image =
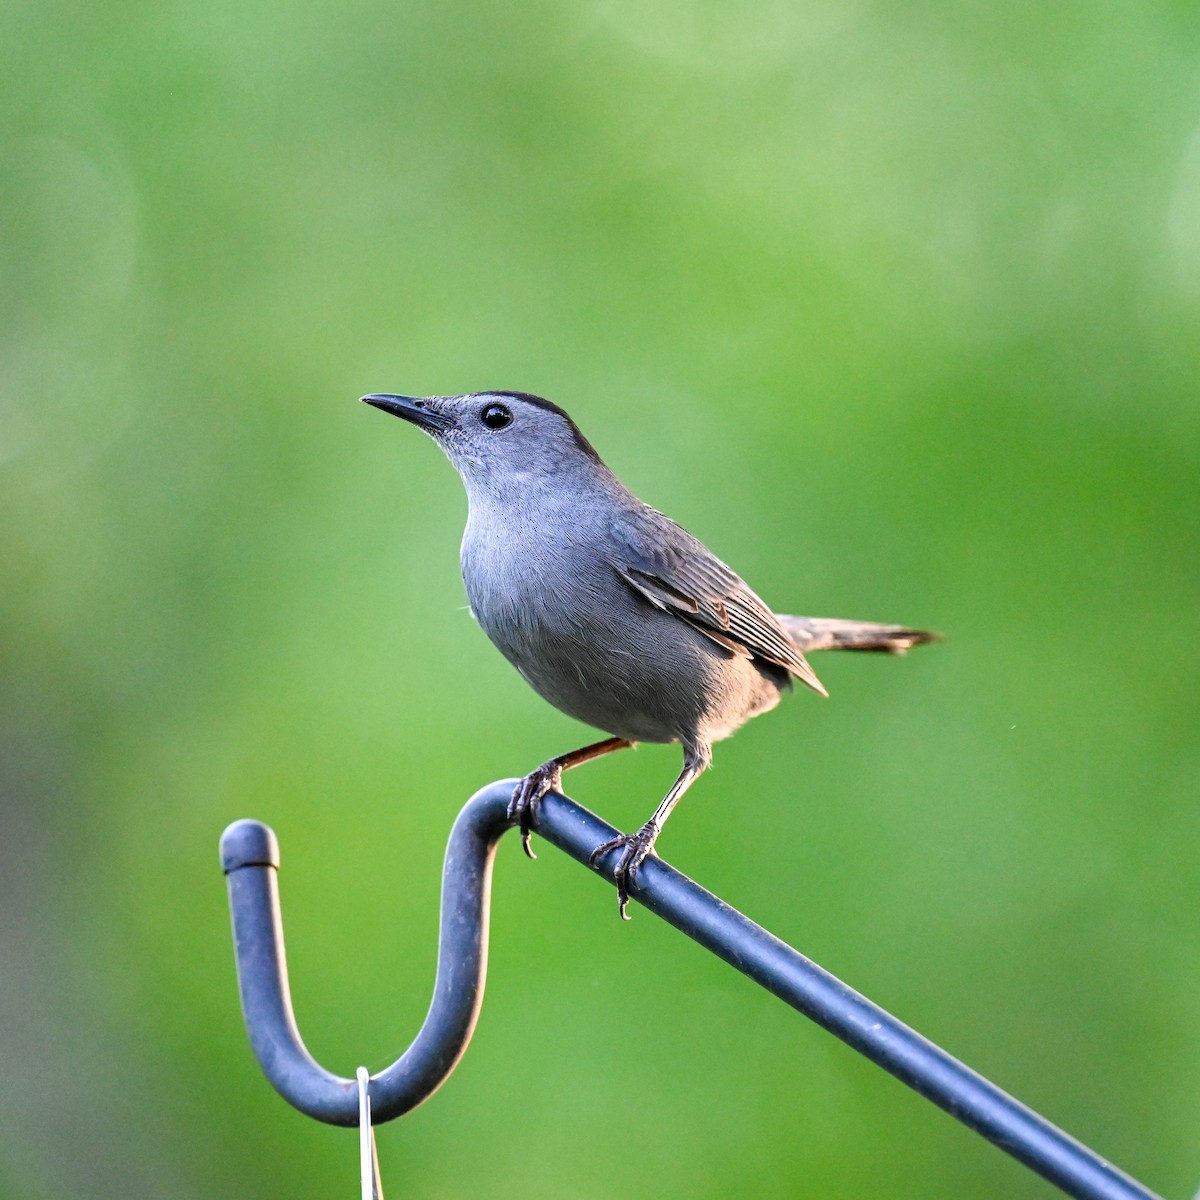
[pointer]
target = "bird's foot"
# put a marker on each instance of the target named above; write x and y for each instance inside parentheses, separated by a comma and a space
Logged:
(634, 847)
(527, 795)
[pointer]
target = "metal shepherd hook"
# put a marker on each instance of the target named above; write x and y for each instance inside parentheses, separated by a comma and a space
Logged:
(250, 859)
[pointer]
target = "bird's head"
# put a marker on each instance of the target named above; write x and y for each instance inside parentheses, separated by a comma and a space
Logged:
(498, 440)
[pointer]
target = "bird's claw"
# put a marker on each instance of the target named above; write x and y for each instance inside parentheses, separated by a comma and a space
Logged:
(526, 797)
(635, 847)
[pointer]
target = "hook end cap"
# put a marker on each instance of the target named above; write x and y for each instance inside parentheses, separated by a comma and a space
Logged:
(248, 843)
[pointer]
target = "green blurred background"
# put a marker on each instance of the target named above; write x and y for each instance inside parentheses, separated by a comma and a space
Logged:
(895, 306)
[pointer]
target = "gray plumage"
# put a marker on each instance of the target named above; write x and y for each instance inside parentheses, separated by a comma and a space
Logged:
(611, 611)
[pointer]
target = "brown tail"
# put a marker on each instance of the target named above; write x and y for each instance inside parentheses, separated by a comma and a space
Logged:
(828, 633)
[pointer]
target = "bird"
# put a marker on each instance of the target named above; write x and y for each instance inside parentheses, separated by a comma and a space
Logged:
(610, 610)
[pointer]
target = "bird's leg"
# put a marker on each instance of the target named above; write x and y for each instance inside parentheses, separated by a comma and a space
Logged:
(529, 792)
(636, 846)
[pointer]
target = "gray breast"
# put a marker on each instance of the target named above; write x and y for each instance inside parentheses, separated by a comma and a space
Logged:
(599, 652)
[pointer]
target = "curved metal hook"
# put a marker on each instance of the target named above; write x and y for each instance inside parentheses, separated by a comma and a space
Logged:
(250, 856)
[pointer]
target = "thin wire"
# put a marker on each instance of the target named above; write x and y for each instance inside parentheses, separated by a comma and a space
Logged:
(368, 1155)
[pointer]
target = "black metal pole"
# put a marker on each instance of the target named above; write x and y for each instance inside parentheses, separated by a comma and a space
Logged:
(250, 858)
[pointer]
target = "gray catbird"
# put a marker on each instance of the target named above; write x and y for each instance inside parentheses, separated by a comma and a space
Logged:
(610, 610)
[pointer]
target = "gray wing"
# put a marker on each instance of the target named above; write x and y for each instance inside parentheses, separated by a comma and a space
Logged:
(677, 573)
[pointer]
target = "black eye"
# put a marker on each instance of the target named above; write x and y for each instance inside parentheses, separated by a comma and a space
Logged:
(495, 416)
